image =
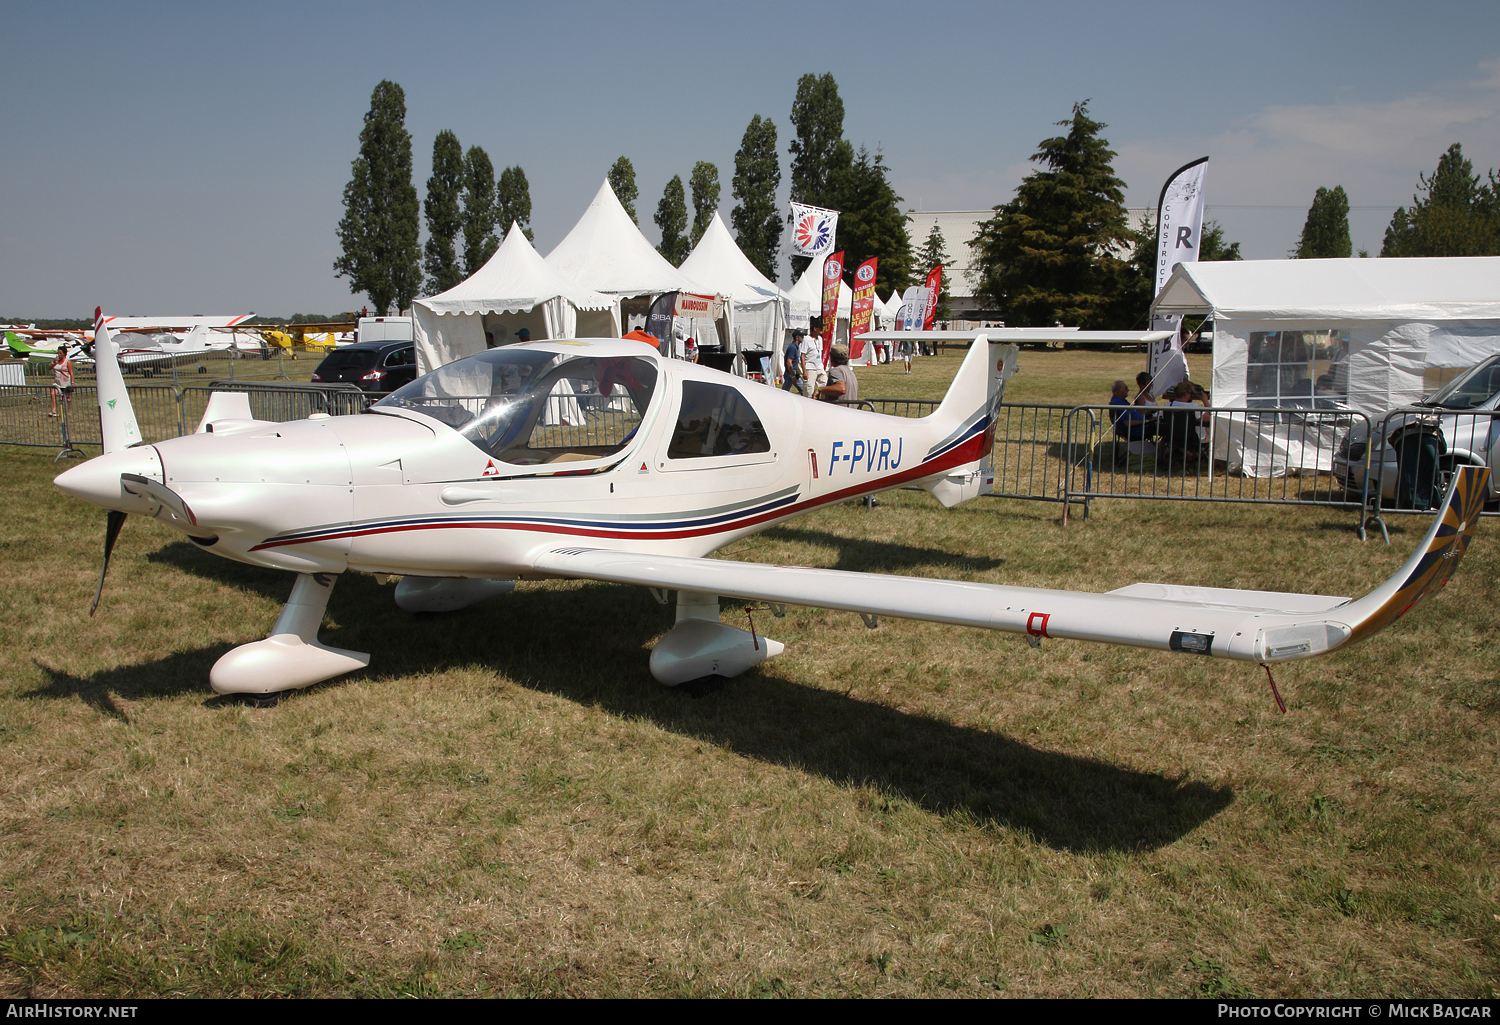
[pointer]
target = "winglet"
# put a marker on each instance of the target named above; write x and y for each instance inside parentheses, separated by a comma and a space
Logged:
(1432, 563)
(117, 422)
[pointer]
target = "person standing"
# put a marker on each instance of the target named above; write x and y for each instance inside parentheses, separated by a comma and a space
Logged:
(791, 358)
(814, 375)
(907, 348)
(62, 378)
(842, 385)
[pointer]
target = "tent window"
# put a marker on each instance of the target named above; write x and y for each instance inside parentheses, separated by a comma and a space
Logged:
(715, 420)
(1298, 369)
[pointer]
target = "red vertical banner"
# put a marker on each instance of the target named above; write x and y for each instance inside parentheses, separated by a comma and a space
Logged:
(833, 277)
(862, 308)
(934, 284)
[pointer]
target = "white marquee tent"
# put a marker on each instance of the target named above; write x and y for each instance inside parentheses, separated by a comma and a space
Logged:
(514, 289)
(1368, 334)
(808, 291)
(718, 265)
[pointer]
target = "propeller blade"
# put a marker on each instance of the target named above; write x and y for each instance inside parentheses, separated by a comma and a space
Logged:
(113, 521)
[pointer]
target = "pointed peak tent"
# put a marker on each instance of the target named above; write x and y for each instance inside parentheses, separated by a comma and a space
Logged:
(606, 252)
(515, 288)
(759, 307)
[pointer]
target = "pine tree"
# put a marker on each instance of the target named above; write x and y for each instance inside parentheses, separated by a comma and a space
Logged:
(1457, 217)
(671, 218)
(1325, 234)
(444, 217)
(871, 222)
(513, 202)
(622, 180)
(757, 175)
(381, 222)
(1129, 306)
(480, 242)
(1212, 247)
(934, 252)
(820, 153)
(705, 186)
(1048, 254)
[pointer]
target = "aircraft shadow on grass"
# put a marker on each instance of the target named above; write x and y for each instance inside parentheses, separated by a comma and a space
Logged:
(865, 555)
(589, 643)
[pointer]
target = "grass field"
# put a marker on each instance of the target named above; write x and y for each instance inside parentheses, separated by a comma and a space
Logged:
(506, 803)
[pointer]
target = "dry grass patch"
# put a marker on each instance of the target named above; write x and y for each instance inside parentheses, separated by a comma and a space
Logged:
(505, 802)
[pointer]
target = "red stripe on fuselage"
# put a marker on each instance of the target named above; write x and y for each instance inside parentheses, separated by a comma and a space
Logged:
(965, 453)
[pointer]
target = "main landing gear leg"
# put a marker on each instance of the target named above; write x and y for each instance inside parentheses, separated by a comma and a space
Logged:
(291, 657)
(699, 645)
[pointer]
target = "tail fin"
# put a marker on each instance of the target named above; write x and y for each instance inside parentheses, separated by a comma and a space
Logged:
(970, 407)
(116, 417)
(17, 346)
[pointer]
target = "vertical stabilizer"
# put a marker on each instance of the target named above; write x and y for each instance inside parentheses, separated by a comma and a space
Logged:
(116, 417)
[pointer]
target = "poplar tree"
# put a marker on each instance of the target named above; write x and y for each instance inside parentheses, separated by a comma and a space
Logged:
(671, 218)
(480, 242)
(1325, 233)
(705, 187)
(444, 216)
(820, 153)
(379, 229)
(757, 175)
(1457, 217)
(1049, 254)
(622, 180)
(513, 202)
(934, 252)
(871, 222)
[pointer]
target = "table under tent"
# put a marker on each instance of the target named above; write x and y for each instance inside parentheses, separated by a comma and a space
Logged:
(759, 314)
(1363, 335)
(606, 252)
(515, 289)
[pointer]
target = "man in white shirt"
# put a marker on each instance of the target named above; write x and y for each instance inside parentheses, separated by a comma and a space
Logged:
(814, 374)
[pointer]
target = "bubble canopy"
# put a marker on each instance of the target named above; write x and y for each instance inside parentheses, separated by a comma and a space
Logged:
(528, 406)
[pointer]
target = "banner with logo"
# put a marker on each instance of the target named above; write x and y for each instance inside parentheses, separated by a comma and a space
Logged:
(934, 287)
(1179, 233)
(833, 277)
(659, 320)
(813, 229)
(913, 309)
(704, 307)
(862, 307)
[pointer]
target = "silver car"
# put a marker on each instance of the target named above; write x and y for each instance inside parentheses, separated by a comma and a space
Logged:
(1460, 417)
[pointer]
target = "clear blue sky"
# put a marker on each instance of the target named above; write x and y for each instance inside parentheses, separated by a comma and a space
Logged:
(191, 158)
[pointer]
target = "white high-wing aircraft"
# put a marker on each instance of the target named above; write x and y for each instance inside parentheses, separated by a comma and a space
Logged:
(599, 459)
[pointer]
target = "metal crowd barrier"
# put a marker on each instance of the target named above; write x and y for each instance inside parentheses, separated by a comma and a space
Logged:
(1218, 454)
(1402, 474)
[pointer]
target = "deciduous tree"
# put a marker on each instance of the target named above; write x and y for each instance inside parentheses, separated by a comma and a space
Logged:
(444, 216)
(622, 180)
(820, 153)
(1325, 233)
(671, 218)
(1457, 217)
(480, 242)
(513, 201)
(757, 174)
(704, 184)
(1049, 254)
(379, 229)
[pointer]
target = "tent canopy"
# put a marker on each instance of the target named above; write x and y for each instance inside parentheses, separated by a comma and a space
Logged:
(1419, 288)
(514, 280)
(606, 252)
(809, 290)
(718, 264)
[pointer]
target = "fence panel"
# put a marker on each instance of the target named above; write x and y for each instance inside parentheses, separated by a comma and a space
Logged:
(1412, 455)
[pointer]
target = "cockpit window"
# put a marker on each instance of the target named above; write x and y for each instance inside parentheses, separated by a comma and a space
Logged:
(526, 406)
(715, 420)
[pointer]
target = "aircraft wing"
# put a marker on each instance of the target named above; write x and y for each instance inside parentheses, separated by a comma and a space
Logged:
(1256, 626)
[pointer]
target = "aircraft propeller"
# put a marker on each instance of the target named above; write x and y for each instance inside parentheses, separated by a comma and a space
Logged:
(113, 521)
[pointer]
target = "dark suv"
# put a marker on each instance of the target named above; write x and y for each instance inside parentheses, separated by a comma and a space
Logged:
(373, 366)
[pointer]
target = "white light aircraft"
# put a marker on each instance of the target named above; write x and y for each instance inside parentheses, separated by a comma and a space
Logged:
(598, 459)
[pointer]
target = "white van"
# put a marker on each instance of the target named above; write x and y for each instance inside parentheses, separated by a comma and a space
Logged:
(384, 329)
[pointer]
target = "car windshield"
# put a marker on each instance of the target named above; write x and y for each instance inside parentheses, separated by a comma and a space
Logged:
(528, 406)
(1474, 388)
(349, 359)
